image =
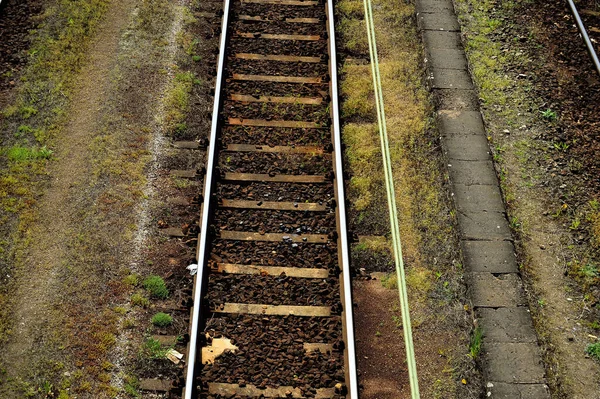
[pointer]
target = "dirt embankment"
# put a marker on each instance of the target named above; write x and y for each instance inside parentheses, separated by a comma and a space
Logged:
(65, 312)
(540, 97)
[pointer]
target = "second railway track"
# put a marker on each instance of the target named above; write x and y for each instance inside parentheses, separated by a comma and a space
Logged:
(272, 313)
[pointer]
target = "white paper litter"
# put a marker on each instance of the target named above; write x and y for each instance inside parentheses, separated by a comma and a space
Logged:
(193, 268)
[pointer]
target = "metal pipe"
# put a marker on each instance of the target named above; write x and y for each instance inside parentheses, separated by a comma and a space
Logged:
(584, 33)
(208, 183)
(391, 197)
(343, 236)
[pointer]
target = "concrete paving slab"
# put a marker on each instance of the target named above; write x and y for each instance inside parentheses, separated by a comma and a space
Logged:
(446, 59)
(444, 20)
(450, 79)
(472, 172)
(496, 291)
(460, 122)
(502, 390)
(442, 39)
(487, 226)
(477, 198)
(456, 99)
(513, 363)
(489, 256)
(433, 6)
(506, 325)
(467, 148)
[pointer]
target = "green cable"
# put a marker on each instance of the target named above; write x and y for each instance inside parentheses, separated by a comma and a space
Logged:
(391, 196)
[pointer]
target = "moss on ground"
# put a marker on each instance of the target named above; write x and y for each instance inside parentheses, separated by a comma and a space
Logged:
(426, 222)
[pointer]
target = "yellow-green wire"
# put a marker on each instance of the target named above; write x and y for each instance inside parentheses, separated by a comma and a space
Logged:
(391, 196)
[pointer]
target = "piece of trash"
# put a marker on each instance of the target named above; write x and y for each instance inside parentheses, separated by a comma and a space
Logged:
(217, 347)
(174, 356)
(193, 268)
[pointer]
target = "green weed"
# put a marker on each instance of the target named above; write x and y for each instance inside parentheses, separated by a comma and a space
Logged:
(138, 299)
(24, 154)
(390, 281)
(156, 286)
(475, 345)
(154, 349)
(549, 115)
(162, 320)
(593, 350)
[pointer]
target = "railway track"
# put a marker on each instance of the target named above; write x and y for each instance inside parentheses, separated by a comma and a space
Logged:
(272, 306)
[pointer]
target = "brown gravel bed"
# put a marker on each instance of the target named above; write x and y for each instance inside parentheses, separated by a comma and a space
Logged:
(305, 329)
(291, 222)
(279, 28)
(278, 68)
(281, 47)
(285, 254)
(273, 367)
(275, 11)
(272, 290)
(260, 162)
(320, 193)
(277, 89)
(276, 338)
(276, 111)
(275, 136)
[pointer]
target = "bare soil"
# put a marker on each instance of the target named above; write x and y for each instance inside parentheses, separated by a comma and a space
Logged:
(38, 289)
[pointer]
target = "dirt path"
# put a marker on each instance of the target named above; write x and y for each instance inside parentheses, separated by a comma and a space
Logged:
(38, 297)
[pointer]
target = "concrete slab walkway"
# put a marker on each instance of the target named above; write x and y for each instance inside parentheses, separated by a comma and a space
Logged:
(512, 363)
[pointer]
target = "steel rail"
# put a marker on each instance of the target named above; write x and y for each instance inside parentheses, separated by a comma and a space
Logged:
(202, 254)
(343, 236)
(391, 197)
(584, 34)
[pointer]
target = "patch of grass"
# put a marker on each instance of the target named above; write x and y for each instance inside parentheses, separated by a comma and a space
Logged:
(354, 35)
(593, 350)
(419, 279)
(131, 386)
(139, 299)
(357, 88)
(156, 286)
(549, 115)
(475, 345)
(589, 270)
(19, 154)
(362, 154)
(154, 349)
(177, 100)
(162, 319)
(390, 281)
(131, 280)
